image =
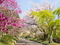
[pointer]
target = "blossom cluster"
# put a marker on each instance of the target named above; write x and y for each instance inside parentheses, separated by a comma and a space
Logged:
(10, 4)
(9, 21)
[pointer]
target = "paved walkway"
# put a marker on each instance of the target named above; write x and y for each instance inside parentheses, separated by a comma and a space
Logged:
(27, 42)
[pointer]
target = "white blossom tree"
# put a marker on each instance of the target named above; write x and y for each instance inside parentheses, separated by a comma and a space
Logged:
(31, 20)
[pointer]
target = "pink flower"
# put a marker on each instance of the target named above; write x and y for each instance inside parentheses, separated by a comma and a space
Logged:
(18, 11)
(15, 20)
(7, 32)
(10, 4)
(10, 21)
(4, 29)
(13, 24)
(3, 25)
(1, 1)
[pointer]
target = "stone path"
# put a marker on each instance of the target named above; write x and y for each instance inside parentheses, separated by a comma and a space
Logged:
(27, 42)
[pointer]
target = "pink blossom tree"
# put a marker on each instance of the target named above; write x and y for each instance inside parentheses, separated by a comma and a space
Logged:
(10, 4)
(10, 24)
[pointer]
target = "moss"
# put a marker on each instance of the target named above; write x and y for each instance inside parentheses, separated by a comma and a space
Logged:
(45, 42)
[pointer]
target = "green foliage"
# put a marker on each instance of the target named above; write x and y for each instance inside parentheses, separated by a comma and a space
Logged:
(8, 39)
(57, 11)
(46, 21)
(43, 16)
(35, 39)
(55, 25)
(6, 44)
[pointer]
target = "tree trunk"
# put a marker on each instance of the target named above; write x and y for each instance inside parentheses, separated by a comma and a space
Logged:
(54, 33)
(51, 39)
(50, 36)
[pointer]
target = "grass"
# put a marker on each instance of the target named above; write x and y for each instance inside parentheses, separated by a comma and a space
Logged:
(54, 44)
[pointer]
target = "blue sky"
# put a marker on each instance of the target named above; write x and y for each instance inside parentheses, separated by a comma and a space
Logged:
(26, 4)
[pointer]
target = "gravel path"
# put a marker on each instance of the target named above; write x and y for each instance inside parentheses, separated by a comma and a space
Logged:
(27, 42)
